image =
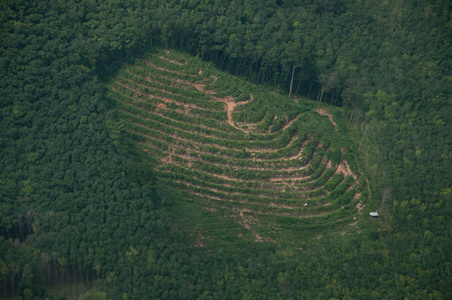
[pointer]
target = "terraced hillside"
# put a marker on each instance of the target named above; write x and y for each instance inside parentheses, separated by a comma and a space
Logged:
(267, 161)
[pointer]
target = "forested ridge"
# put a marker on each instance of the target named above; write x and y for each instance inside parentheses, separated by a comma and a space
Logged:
(78, 202)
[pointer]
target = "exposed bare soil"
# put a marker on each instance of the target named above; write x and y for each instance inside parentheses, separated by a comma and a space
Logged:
(289, 123)
(344, 168)
(173, 61)
(323, 112)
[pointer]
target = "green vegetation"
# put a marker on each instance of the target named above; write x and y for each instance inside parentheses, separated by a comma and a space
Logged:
(122, 173)
(261, 176)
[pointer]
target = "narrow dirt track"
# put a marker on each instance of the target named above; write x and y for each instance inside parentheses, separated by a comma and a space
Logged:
(323, 112)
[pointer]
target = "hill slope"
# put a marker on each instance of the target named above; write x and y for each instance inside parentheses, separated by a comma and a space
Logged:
(277, 167)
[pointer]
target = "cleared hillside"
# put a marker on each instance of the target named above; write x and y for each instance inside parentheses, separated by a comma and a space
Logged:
(276, 166)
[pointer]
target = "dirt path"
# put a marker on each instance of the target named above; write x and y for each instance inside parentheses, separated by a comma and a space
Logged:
(162, 98)
(185, 105)
(201, 87)
(229, 193)
(252, 150)
(259, 212)
(230, 106)
(241, 166)
(169, 71)
(225, 196)
(279, 185)
(172, 61)
(276, 178)
(281, 206)
(163, 106)
(229, 102)
(296, 156)
(289, 178)
(247, 226)
(344, 168)
(290, 123)
(323, 112)
(197, 144)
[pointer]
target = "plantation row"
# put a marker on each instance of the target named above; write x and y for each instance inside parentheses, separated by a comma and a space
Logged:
(139, 112)
(264, 192)
(183, 92)
(229, 147)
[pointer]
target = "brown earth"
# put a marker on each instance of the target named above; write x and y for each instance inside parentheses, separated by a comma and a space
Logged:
(323, 112)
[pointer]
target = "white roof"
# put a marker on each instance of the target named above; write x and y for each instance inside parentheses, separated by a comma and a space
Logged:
(373, 214)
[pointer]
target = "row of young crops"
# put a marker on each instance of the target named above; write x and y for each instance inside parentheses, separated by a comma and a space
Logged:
(231, 145)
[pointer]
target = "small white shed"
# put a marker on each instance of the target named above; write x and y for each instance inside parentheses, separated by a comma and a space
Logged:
(374, 214)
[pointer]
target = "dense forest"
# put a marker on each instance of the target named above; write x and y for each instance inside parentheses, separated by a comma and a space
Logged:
(80, 205)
